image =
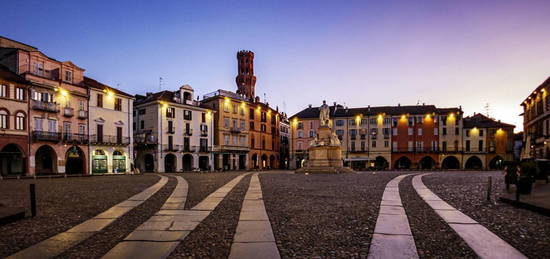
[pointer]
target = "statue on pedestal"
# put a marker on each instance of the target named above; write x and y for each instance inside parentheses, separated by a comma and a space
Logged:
(324, 114)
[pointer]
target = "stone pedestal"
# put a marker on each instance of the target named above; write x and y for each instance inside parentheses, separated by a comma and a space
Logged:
(326, 155)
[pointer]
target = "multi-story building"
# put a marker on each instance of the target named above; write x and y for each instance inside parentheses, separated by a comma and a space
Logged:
(284, 149)
(403, 137)
(59, 134)
(14, 135)
(487, 143)
(172, 133)
(110, 128)
(246, 129)
(536, 122)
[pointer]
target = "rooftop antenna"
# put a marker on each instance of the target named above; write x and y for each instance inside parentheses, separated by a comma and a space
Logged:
(265, 98)
(487, 109)
(160, 83)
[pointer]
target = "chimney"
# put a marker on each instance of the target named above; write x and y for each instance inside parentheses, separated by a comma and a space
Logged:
(334, 104)
(398, 104)
(368, 108)
(148, 94)
(309, 106)
(423, 104)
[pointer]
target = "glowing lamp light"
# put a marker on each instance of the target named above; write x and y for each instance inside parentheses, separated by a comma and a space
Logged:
(63, 92)
(403, 117)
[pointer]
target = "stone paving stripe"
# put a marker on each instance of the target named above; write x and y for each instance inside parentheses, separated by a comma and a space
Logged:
(254, 236)
(57, 244)
(484, 242)
(163, 232)
(159, 236)
(141, 249)
(264, 250)
(129, 203)
(392, 237)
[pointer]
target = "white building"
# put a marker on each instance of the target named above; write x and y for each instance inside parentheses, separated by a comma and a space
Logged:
(172, 133)
(110, 120)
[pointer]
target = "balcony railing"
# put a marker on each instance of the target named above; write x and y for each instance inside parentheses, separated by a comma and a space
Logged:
(45, 106)
(187, 148)
(68, 112)
(235, 130)
(39, 135)
(145, 139)
(109, 140)
(82, 114)
(75, 138)
(202, 149)
(188, 132)
(171, 148)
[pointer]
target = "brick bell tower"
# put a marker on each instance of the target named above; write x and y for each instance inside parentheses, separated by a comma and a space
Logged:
(246, 81)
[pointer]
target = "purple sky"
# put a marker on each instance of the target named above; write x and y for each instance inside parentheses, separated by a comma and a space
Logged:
(444, 53)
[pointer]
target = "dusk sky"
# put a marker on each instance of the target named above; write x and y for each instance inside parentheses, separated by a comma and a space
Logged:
(359, 53)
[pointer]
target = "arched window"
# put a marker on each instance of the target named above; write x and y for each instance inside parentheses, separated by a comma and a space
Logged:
(4, 115)
(20, 121)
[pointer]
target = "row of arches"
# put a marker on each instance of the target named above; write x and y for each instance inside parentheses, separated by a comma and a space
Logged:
(449, 162)
(170, 163)
(264, 162)
(14, 162)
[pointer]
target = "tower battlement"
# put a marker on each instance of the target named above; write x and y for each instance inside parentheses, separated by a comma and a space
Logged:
(246, 81)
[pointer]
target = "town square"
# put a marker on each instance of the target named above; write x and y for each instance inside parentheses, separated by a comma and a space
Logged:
(243, 129)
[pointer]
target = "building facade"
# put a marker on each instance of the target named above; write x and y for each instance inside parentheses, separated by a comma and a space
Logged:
(406, 137)
(172, 133)
(14, 134)
(246, 129)
(110, 129)
(536, 123)
(284, 149)
(58, 129)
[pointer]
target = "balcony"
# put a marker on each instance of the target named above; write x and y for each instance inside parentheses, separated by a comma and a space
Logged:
(187, 148)
(82, 114)
(203, 149)
(204, 133)
(38, 135)
(386, 136)
(109, 140)
(75, 138)
(45, 106)
(188, 132)
(145, 139)
(171, 147)
(68, 112)
(235, 130)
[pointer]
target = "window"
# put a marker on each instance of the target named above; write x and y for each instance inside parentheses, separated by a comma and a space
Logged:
(81, 129)
(353, 146)
(353, 133)
(387, 121)
(170, 127)
(252, 125)
(420, 146)
(311, 134)
(300, 125)
(420, 132)
(4, 91)
(340, 132)
(362, 145)
(203, 117)
(444, 120)
(20, 94)
(481, 133)
(142, 124)
(68, 76)
(235, 108)
(373, 143)
(242, 124)
(480, 145)
(80, 105)
(226, 139)
(241, 111)
(411, 121)
(99, 100)
(187, 115)
(226, 107)
(20, 121)
(39, 69)
(410, 131)
(264, 117)
(339, 122)
(263, 128)
(171, 112)
(394, 131)
(467, 145)
(467, 133)
(3, 119)
(444, 131)
(386, 132)
(141, 111)
(352, 122)
(226, 122)
(251, 114)
(410, 146)
(66, 128)
(436, 131)
(38, 124)
(457, 131)
(386, 143)
(52, 125)
(434, 145)
(394, 145)
(235, 140)
(118, 104)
